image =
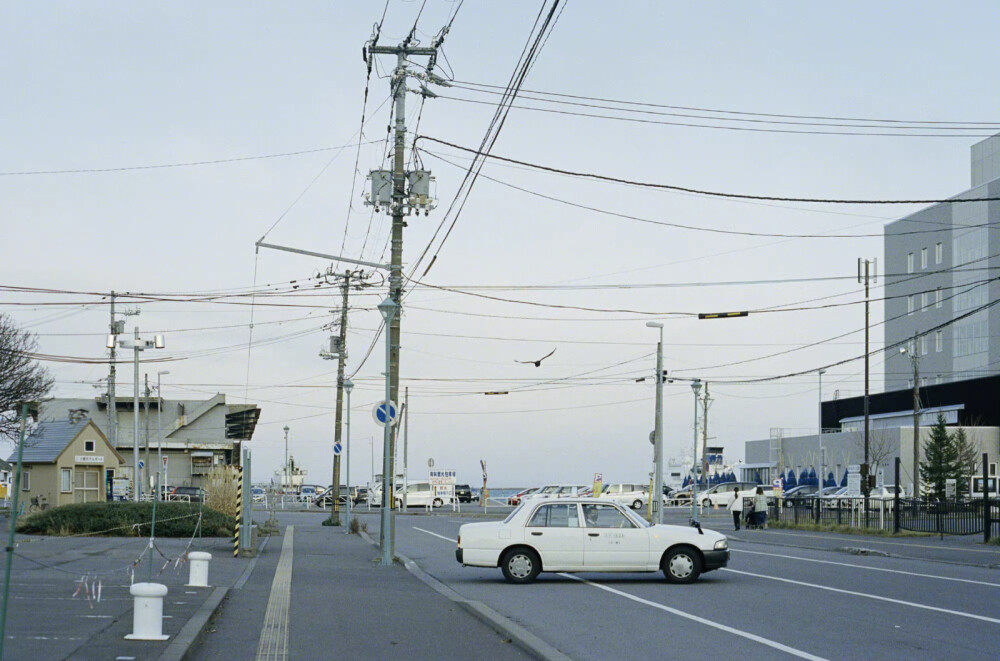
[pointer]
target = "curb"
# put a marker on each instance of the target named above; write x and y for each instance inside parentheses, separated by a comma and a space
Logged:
(182, 642)
(520, 636)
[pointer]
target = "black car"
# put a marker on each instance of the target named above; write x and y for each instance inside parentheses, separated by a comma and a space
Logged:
(185, 494)
(463, 493)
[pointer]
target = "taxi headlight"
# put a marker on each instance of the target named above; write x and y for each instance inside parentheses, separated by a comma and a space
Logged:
(722, 544)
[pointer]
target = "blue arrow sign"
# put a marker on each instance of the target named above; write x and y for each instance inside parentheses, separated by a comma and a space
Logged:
(142, 464)
(336, 448)
(379, 413)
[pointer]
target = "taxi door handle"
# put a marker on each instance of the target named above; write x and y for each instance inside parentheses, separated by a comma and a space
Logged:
(594, 534)
(537, 534)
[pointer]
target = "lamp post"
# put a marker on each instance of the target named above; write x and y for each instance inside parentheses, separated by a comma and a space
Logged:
(656, 497)
(348, 387)
(915, 360)
(137, 345)
(819, 435)
(284, 482)
(388, 308)
(160, 471)
(696, 388)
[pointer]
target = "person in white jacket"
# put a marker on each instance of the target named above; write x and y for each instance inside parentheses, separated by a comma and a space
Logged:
(736, 507)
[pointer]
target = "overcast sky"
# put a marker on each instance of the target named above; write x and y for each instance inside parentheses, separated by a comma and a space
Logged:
(117, 85)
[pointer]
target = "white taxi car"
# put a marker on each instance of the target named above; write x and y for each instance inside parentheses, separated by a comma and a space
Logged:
(588, 535)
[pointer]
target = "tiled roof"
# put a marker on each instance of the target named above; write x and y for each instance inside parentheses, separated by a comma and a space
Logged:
(48, 440)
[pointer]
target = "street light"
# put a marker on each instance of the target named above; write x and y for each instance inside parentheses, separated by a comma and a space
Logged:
(137, 345)
(161, 473)
(388, 309)
(284, 483)
(348, 387)
(696, 388)
(656, 497)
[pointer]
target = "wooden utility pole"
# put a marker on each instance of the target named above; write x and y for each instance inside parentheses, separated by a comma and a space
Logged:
(339, 351)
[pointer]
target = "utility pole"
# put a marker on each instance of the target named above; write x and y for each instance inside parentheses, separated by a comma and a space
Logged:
(401, 202)
(338, 350)
(284, 484)
(915, 361)
(406, 437)
(656, 497)
(865, 275)
(112, 408)
(145, 479)
(704, 433)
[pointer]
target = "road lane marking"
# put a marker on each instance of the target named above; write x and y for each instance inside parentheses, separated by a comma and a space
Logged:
(867, 596)
(875, 541)
(700, 620)
(891, 571)
(447, 539)
(273, 645)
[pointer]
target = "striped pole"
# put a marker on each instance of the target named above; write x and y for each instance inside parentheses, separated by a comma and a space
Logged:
(239, 512)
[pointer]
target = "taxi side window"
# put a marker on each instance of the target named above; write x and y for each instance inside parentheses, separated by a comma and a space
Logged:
(605, 516)
(555, 516)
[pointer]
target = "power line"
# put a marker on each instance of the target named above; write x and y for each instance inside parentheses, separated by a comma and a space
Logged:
(697, 191)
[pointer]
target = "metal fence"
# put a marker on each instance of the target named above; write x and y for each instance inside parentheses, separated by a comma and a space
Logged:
(960, 516)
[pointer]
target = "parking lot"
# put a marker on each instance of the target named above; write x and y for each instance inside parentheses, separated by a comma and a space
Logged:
(785, 594)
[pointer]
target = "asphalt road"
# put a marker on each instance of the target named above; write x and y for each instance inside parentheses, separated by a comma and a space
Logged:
(785, 595)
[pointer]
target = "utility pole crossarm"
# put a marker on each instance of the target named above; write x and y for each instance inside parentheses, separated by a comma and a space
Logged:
(402, 50)
(323, 255)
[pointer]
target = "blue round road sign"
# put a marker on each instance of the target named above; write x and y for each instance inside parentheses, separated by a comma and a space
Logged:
(379, 413)
(336, 448)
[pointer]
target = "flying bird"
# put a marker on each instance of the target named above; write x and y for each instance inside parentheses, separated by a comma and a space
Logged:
(536, 363)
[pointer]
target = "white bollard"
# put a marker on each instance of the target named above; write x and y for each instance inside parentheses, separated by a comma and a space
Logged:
(147, 613)
(198, 577)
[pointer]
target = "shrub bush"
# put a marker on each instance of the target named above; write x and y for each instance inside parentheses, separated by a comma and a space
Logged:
(126, 519)
(220, 490)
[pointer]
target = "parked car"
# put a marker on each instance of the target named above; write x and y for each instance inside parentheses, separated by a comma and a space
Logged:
(721, 495)
(359, 494)
(515, 500)
(185, 494)
(632, 495)
(421, 494)
(325, 496)
(588, 534)
(793, 495)
(556, 491)
(309, 491)
(463, 493)
(258, 494)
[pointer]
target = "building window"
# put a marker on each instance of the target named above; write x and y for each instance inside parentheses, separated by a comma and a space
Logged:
(938, 252)
(937, 298)
(909, 386)
(88, 446)
(923, 382)
(923, 345)
(923, 258)
(66, 480)
(909, 304)
(993, 470)
(923, 301)
(937, 379)
(938, 341)
(909, 262)
(26, 481)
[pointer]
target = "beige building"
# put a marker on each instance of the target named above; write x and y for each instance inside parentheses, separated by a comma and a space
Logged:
(67, 461)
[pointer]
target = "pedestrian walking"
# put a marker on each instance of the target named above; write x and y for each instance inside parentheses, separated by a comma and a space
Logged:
(736, 507)
(760, 508)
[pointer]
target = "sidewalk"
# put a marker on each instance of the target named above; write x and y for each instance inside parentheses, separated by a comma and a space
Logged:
(52, 615)
(344, 604)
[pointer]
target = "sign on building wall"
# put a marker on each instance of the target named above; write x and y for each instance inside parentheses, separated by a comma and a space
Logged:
(88, 459)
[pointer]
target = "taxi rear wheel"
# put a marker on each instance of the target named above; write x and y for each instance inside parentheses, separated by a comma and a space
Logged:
(681, 565)
(637, 505)
(520, 565)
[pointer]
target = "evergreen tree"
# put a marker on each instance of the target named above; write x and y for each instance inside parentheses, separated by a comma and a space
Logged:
(941, 459)
(967, 462)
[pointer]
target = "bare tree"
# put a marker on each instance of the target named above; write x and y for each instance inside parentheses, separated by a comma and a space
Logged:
(880, 448)
(22, 379)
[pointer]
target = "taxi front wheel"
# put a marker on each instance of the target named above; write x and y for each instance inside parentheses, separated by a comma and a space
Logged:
(681, 565)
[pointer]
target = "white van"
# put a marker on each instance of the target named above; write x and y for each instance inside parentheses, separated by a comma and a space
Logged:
(721, 495)
(635, 496)
(555, 491)
(421, 494)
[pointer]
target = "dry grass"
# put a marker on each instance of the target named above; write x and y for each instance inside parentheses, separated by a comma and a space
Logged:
(220, 490)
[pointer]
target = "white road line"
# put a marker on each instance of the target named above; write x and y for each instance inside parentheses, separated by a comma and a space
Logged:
(891, 571)
(866, 596)
(875, 541)
(273, 645)
(736, 632)
(700, 620)
(447, 539)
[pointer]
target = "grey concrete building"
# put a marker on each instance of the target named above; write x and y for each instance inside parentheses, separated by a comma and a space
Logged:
(938, 265)
(197, 435)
